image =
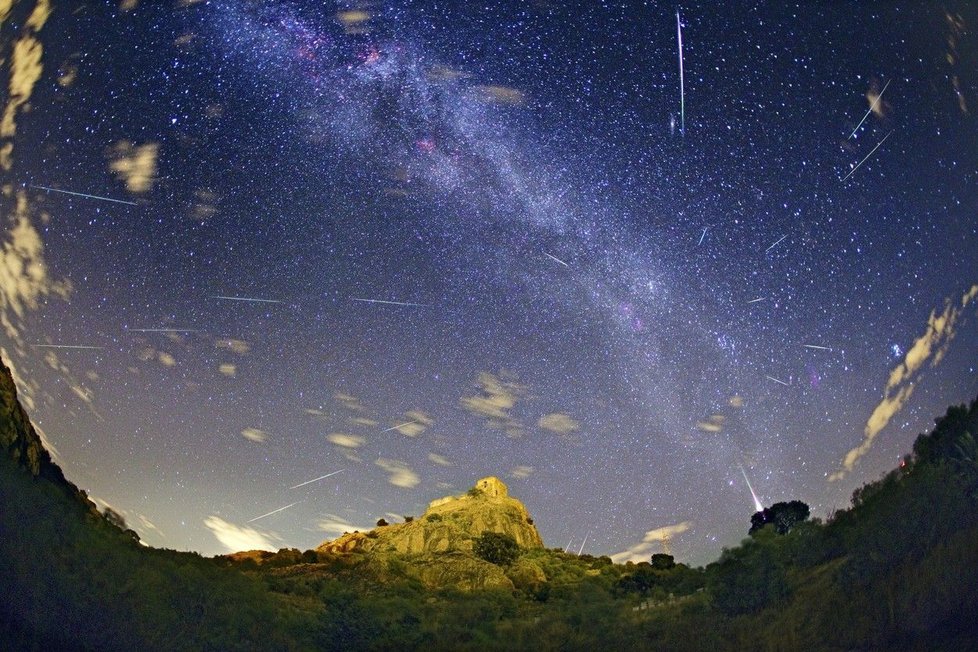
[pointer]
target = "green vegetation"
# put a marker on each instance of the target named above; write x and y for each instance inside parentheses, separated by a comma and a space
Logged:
(898, 570)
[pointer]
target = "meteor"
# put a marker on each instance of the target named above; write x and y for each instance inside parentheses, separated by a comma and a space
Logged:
(756, 300)
(555, 259)
(401, 425)
(816, 346)
(701, 238)
(161, 330)
(867, 156)
(392, 303)
(247, 299)
(322, 477)
(757, 503)
(579, 552)
(682, 89)
(274, 511)
(871, 108)
(780, 382)
(776, 243)
(65, 346)
(87, 196)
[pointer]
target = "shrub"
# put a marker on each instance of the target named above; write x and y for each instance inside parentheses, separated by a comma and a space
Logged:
(497, 548)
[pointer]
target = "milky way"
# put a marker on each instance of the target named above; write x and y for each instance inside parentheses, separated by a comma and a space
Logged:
(398, 247)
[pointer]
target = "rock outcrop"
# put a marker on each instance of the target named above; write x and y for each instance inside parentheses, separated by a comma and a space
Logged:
(449, 524)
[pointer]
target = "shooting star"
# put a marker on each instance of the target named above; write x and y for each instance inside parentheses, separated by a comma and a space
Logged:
(780, 382)
(87, 196)
(682, 78)
(392, 303)
(246, 299)
(322, 477)
(401, 425)
(776, 243)
(555, 259)
(701, 238)
(579, 552)
(816, 346)
(756, 300)
(65, 346)
(274, 511)
(872, 107)
(757, 503)
(866, 157)
(161, 330)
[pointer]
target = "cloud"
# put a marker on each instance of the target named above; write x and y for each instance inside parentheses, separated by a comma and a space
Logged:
(363, 421)
(736, 401)
(354, 21)
(879, 108)
(166, 359)
(560, 423)
(713, 424)
(254, 434)
(521, 472)
(25, 69)
(499, 95)
(417, 423)
(134, 164)
(933, 346)
(498, 398)
(337, 525)
(440, 460)
(234, 346)
(228, 370)
(640, 551)
(400, 474)
(345, 440)
(349, 401)
(24, 277)
(238, 538)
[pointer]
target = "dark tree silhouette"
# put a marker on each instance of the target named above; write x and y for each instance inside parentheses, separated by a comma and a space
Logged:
(497, 548)
(783, 516)
(662, 561)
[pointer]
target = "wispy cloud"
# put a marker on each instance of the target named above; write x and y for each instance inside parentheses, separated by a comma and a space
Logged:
(558, 422)
(254, 434)
(238, 538)
(337, 525)
(415, 422)
(521, 472)
(228, 370)
(399, 473)
(349, 401)
(134, 164)
(345, 440)
(933, 346)
(652, 538)
(440, 460)
(240, 347)
(712, 424)
(495, 403)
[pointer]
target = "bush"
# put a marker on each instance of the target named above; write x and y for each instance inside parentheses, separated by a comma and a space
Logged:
(497, 548)
(381, 522)
(433, 518)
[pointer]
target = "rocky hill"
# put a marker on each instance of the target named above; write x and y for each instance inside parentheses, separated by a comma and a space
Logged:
(450, 524)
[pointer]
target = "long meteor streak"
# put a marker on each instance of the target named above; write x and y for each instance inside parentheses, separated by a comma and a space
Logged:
(392, 303)
(756, 300)
(161, 330)
(274, 511)
(248, 299)
(400, 425)
(780, 382)
(701, 238)
(867, 156)
(87, 196)
(65, 346)
(757, 503)
(871, 108)
(554, 258)
(682, 78)
(322, 477)
(776, 243)
(816, 346)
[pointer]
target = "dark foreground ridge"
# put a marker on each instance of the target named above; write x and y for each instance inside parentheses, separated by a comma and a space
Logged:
(898, 570)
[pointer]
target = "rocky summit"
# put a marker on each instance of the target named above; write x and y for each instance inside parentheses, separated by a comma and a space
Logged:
(450, 524)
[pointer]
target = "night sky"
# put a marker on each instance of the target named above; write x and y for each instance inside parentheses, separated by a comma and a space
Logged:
(414, 244)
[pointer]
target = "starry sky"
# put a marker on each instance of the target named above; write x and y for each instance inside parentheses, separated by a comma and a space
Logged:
(410, 244)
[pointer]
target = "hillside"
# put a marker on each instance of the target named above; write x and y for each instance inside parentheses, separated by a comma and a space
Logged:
(898, 570)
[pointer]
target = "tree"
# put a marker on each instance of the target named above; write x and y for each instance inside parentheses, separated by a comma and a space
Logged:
(662, 561)
(783, 516)
(381, 522)
(497, 548)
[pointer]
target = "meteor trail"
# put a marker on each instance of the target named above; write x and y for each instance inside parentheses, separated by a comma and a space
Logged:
(582, 545)
(781, 382)
(65, 346)
(816, 346)
(867, 156)
(701, 238)
(682, 89)
(776, 243)
(248, 299)
(556, 259)
(302, 484)
(392, 303)
(871, 107)
(756, 300)
(161, 330)
(757, 503)
(274, 511)
(399, 426)
(82, 194)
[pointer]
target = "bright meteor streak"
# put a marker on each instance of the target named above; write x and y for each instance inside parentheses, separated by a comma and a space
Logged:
(274, 511)
(248, 299)
(682, 79)
(302, 484)
(87, 196)
(816, 346)
(780, 382)
(65, 346)
(872, 107)
(554, 258)
(757, 503)
(871, 152)
(392, 303)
